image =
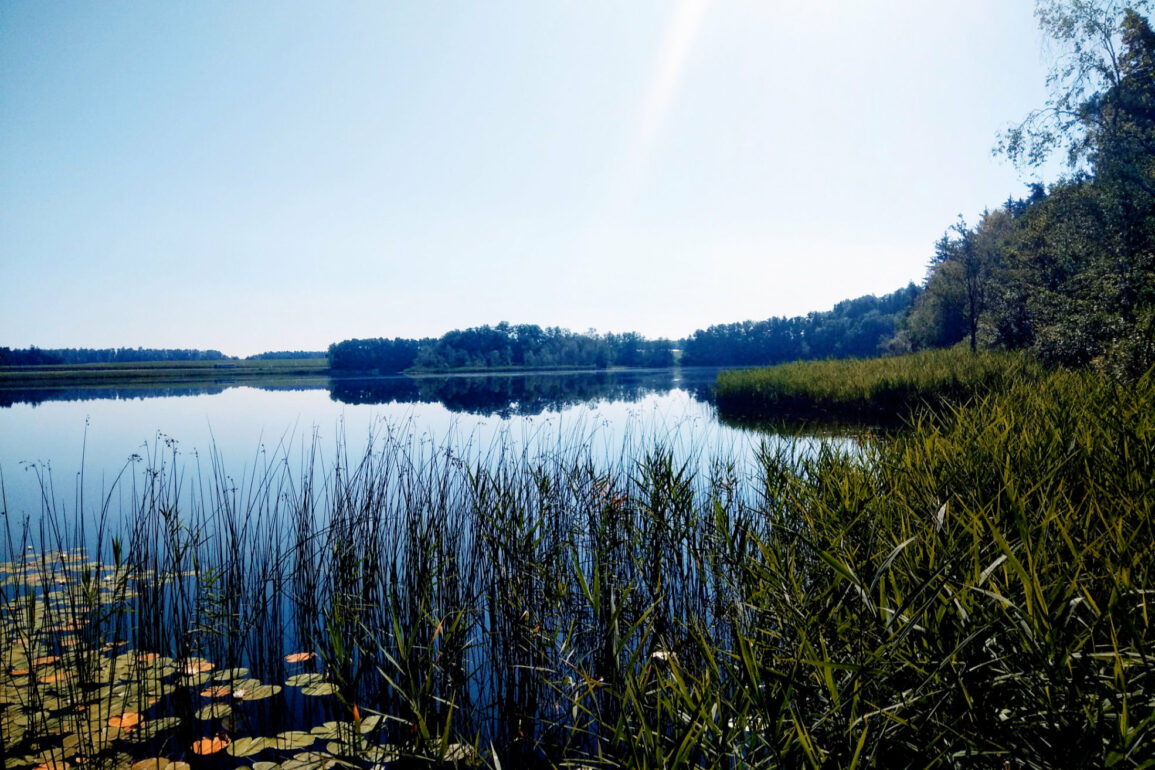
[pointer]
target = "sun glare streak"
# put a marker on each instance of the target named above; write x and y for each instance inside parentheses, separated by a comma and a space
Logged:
(681, 34)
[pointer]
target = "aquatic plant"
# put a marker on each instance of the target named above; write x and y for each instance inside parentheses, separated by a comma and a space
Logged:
(971, 591)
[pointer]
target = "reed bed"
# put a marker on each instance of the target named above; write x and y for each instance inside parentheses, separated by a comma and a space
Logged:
(971, 592)
(883, 390)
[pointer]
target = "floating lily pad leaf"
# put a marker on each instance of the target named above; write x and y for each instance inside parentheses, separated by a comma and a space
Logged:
(256, 693)
(218, 710)
(230, 674)
(331, 731)
(54, 764)
(194, 680)
(304, 680)
(217, 691)
(266, 766)
(194, 666)
(369, 724)
(248, 746)
(159, 763)
(300, 657)
(244, 684)
(205, 746)
(379, 754)
(126, 721)
(309, 760)
(363, 751)
(153, 727)
(321, 688)
(292, 740)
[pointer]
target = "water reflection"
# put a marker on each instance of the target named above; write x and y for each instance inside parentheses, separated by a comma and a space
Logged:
(522, 395)
(505, 395)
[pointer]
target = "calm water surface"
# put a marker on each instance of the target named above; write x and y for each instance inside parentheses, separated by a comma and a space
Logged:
(51, 440)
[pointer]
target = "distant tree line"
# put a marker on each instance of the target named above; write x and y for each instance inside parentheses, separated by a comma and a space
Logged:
(286, 355)
(501, 346)
(375, 355)
(854, 327)
(34, 356)
(1067, 272)
(858, 327)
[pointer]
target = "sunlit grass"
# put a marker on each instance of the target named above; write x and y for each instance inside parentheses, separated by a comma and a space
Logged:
(882, 389)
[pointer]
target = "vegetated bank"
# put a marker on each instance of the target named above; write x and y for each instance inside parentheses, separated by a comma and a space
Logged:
(145, 373)
(880, 390)
(971, 591)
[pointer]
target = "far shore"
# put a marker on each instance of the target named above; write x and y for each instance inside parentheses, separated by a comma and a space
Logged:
(163, 373)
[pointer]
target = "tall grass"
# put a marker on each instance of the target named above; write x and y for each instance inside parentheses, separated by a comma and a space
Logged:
(880, 389)
(971, 592)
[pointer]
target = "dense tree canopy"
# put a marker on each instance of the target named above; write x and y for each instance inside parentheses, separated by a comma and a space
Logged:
(853, 328)
(34, 356)
(1068, 272)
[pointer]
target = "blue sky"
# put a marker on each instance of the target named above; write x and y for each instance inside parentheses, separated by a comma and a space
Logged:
(252, 176)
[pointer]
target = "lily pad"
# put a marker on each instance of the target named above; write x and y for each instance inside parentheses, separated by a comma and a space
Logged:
(230, 674)
(331, 731)
(248, 746)
(294, 739)
(205, 746)
(260, 692)
(369, 724)
(159, 763)
(193, 666)
(309, 760)
(304, 680)
(218, 710)
(195, 680)
(153, 727)
(321, 688)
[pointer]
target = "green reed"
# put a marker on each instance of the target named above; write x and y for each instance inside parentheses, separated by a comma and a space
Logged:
(970, 592)
(873, 389)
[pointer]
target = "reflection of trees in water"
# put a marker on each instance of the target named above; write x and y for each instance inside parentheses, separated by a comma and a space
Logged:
(374, 390)
(510, 395)
(37, 396)
(502, 395)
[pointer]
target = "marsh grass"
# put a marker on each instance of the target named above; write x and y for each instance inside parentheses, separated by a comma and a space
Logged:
(970, 592)
(885, 390)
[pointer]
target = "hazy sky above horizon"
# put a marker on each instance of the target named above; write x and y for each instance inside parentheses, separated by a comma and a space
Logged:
(252, 176)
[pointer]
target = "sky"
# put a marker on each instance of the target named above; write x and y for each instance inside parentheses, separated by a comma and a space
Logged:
(251, 176)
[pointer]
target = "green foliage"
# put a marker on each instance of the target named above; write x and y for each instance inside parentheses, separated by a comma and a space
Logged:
(1086, 36)
(880, 389)
(1069, 274)
(853, 327)
(374, 355)
(525, 346)
(971, 592)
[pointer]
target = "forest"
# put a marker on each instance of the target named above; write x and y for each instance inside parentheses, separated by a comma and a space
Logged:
(1067, 273)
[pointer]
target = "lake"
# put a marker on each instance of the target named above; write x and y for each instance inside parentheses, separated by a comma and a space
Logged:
(49, 438)
(365, 568)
